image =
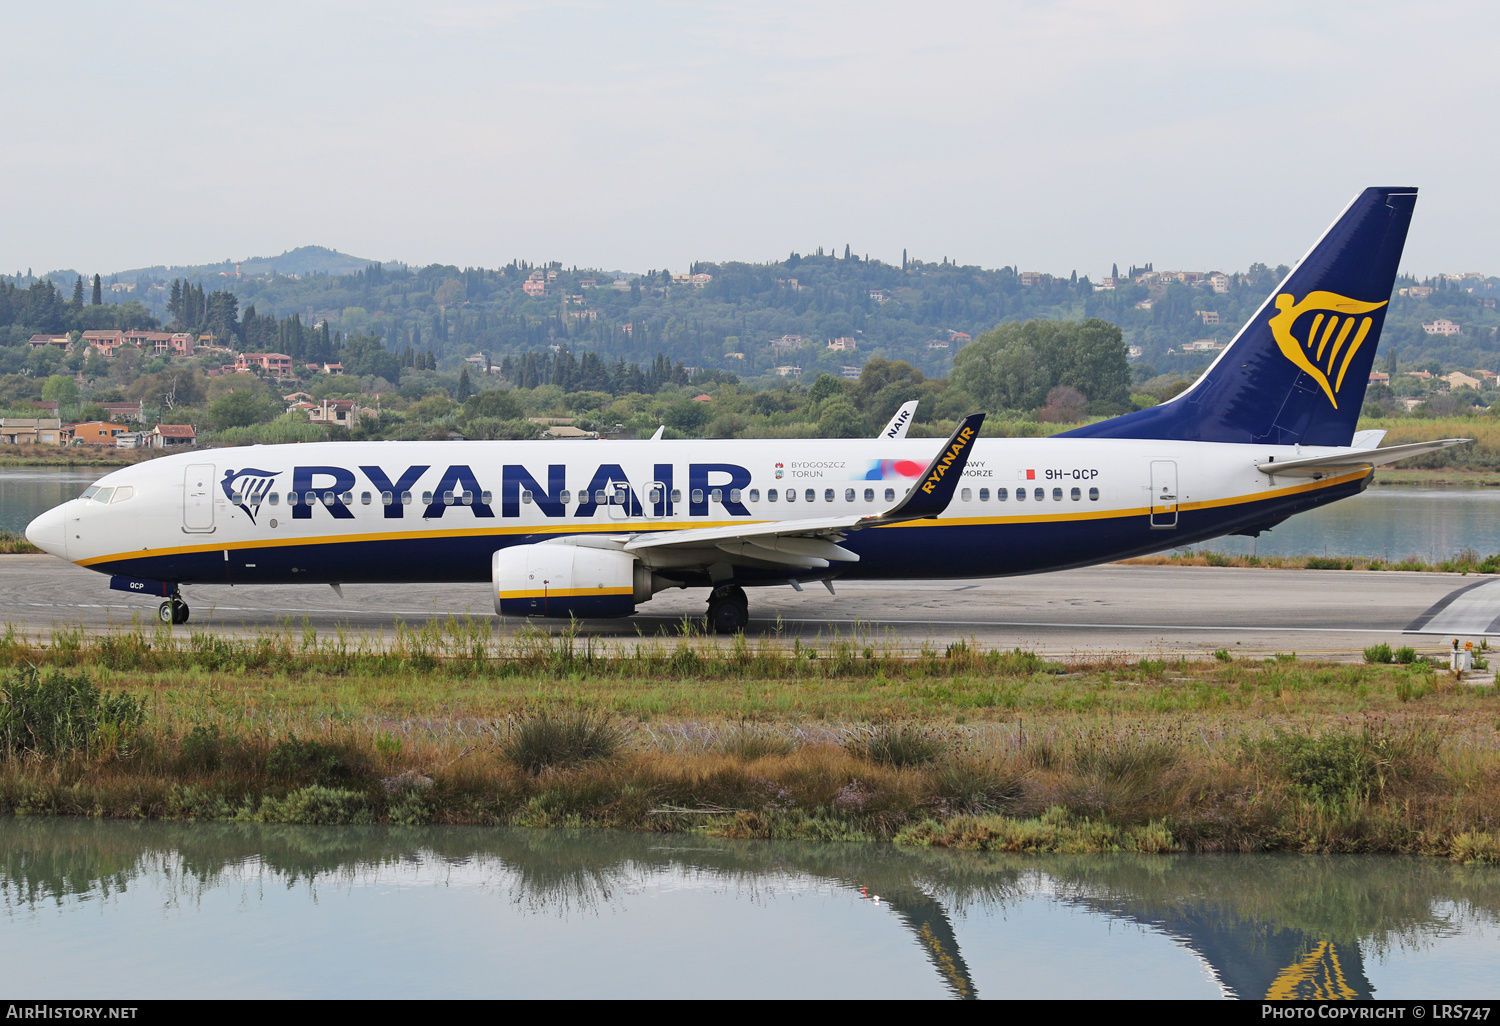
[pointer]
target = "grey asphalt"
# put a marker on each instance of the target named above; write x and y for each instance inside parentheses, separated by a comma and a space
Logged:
(1133, 610)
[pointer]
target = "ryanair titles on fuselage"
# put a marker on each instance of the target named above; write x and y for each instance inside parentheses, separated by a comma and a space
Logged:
(459, 486)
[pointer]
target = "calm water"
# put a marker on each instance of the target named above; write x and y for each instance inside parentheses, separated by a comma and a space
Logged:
(108, 909)
(28, 491)
(1391, 523)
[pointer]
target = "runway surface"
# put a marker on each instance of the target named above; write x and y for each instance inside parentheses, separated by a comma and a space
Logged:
(1114, 608)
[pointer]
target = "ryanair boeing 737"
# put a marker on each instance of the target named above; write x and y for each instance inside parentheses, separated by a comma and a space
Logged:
(593, 530)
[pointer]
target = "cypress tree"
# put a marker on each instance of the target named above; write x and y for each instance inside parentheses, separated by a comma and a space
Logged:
(98, 291)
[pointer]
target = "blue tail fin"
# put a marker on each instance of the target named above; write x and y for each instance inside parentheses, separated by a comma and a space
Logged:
(1296, 373)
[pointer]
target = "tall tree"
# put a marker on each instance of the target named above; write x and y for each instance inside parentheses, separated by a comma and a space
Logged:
(98, 291)
(78, 293)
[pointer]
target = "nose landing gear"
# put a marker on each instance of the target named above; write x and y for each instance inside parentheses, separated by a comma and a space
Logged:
(173, 610)
(728, 610)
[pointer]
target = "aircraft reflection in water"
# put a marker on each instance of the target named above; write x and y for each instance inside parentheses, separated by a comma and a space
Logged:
(1263, 926)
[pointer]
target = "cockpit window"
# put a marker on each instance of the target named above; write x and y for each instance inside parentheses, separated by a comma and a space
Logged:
(122, 493)
(103, 494)
(88, 493)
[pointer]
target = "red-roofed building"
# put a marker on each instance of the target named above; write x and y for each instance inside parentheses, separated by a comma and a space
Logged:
(278, 364)
(170, 436)
(135, 411)
(97, 432)
(104, 341)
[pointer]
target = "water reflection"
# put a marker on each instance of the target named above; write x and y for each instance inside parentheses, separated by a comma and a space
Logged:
(1260, 926)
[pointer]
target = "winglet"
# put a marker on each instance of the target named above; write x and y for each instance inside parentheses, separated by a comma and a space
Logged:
(938, 482)
(900, 421)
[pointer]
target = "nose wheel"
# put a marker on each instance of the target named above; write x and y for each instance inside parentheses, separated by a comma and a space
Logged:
(728, 610)
(174, 611)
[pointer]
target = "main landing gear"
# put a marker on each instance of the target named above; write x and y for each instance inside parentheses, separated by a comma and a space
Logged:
(173, 610)
(728, 610)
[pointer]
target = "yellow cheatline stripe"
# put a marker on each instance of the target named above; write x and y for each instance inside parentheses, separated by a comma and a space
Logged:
(642, 527)
(566, 592)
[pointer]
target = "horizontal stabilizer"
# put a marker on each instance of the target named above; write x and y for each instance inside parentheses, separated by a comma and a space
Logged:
(1354, 459)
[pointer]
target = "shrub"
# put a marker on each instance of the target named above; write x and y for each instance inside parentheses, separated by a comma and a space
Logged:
(1380, 653)
(316, 804)
(203, 748)
(1406, 654)
(973, 789)
(1325, 563)
(561, 739)
(1223, 656)
(307, 760)
(903, 745)
(1342, 767)
(63, 713)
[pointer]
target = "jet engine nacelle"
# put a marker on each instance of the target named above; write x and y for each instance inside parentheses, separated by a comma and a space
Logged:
(563, 579)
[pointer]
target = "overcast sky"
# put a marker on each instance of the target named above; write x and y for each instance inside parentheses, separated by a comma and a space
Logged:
(647, 134)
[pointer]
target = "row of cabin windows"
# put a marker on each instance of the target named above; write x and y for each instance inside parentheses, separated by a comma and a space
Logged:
(617, 497)
(1037, 494)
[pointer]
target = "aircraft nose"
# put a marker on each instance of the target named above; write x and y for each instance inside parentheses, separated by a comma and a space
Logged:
(49, 532)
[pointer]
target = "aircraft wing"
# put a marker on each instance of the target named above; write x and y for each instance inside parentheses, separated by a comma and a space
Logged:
(1353, 459)
(813, 543)
(900, 421)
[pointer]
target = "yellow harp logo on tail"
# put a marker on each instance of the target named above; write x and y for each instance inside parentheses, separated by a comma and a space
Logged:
(1327, 348)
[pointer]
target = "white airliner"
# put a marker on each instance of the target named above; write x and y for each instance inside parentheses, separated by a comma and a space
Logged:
(593, 529)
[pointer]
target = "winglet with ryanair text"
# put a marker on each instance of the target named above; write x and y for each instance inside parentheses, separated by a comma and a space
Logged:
(940, 479)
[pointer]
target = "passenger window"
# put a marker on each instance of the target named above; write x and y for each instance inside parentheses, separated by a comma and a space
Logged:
(234, 497)
(848, 494)
(1093, 495)
(966, 495)
(291, 498)
(1076, 495)
(406, 498)
(1002, 494)
(984, 495)
(468, 498)
(811, 495)
(890, 495)
(717, 495)
(272, 497)
(347, 498)
(770, 495)
(447, 498)
(734, 495)
(828, 495)
(1057, 495)
(869, 495)
(103, 494)
(566, 497)
(1020, 495)
(486, 498)
(364, 498)
(653, 496)
(755, 495)
(386, 498)
(1039, 494)
(600, 497)
(697, 495)
(676, 496)
(526, 496)
(328, 499)
(427, 498)
(791, 495)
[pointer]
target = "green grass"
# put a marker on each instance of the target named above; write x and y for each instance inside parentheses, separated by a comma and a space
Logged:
(952, 745)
